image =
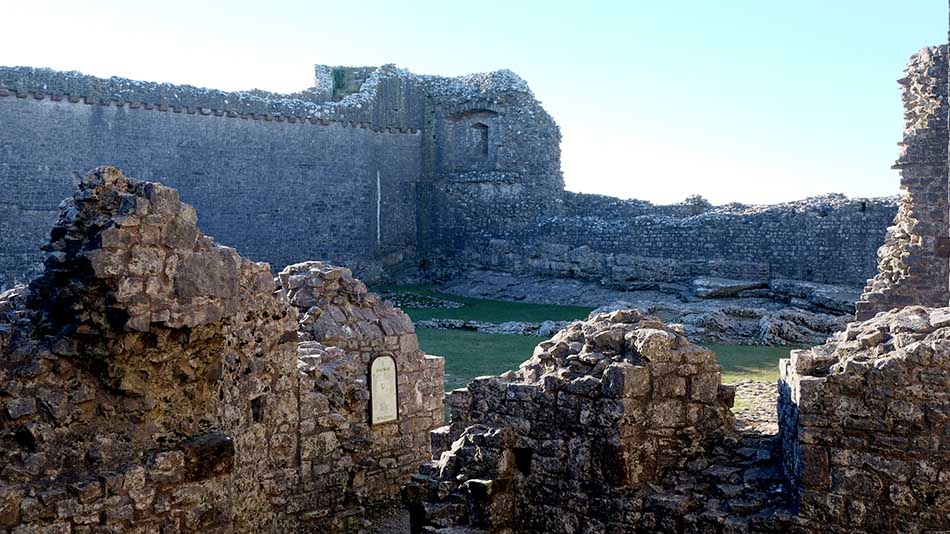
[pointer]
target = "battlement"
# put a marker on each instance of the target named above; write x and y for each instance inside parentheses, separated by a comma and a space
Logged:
(304, 107)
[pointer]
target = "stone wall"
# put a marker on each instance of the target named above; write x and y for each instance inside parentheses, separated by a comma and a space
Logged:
(618, 425)
(412, 176)
(624, 243)
(287, 167)
(866, 425)
(152, 381)
(564, 443)
(914, 263)
(343, 328)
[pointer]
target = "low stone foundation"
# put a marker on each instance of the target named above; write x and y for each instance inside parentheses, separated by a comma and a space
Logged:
(618, 425)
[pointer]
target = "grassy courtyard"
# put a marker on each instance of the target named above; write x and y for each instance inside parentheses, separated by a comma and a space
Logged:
(469, 354)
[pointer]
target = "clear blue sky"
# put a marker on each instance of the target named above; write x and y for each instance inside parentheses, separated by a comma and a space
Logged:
(737, 100)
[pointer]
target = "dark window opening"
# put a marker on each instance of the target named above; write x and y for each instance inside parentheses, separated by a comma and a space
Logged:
(257, 409)
(480, 138)
(523, 460)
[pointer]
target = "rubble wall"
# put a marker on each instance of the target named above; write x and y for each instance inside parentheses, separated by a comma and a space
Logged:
(563, 444)
(623, 243)
(153, 381)
(865, 423)
(914, 266)
(343, 328)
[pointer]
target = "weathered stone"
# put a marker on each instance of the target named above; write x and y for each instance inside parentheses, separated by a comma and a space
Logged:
(573, 426)
(120, 357)
(851, 423)
(913, 266)
(719, 287)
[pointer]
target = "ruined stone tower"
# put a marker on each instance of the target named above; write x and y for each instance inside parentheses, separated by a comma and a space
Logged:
(914, 266)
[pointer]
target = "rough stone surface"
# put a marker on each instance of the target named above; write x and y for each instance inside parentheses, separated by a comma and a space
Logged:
(826, 239)
(599, 412)
(397, 175)
(152, 381)
(786, 312)
(518, 328)
(865, 423)
(342, 328)
(914, 266)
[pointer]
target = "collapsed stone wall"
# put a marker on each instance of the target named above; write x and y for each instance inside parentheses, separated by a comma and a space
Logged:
(564, 443)
(151, 381)
(865, 423)
(914, 265)
(618, 425)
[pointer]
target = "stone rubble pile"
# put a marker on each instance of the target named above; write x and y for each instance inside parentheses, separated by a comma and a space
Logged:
(519, 328)
(745, 325)
(711, 309)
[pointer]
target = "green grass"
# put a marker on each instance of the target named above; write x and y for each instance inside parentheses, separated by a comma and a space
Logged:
(492, 311)
(469, 354)
(743, 362)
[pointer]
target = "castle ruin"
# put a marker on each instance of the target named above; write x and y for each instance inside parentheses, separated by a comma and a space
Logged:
(152, 380)
(413, 176)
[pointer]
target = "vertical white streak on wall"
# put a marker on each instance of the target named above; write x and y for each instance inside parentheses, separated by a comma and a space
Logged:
(379, 234)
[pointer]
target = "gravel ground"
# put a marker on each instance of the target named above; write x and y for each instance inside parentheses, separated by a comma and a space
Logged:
(389, 518)
(757, 411)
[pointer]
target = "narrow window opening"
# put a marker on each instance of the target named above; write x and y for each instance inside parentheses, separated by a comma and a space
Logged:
(523, 458)
(480, 138)
(257, 409)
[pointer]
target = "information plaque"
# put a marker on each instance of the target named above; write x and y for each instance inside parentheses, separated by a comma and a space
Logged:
(382, 390)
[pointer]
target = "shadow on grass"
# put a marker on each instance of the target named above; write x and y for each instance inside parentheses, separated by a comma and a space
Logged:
(485, 310)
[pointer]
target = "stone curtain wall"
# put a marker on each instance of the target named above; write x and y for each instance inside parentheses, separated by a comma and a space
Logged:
(270, 175)
(152, 381)
(826, 239)
(865, 422)
(914, 263)
(464, 164)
